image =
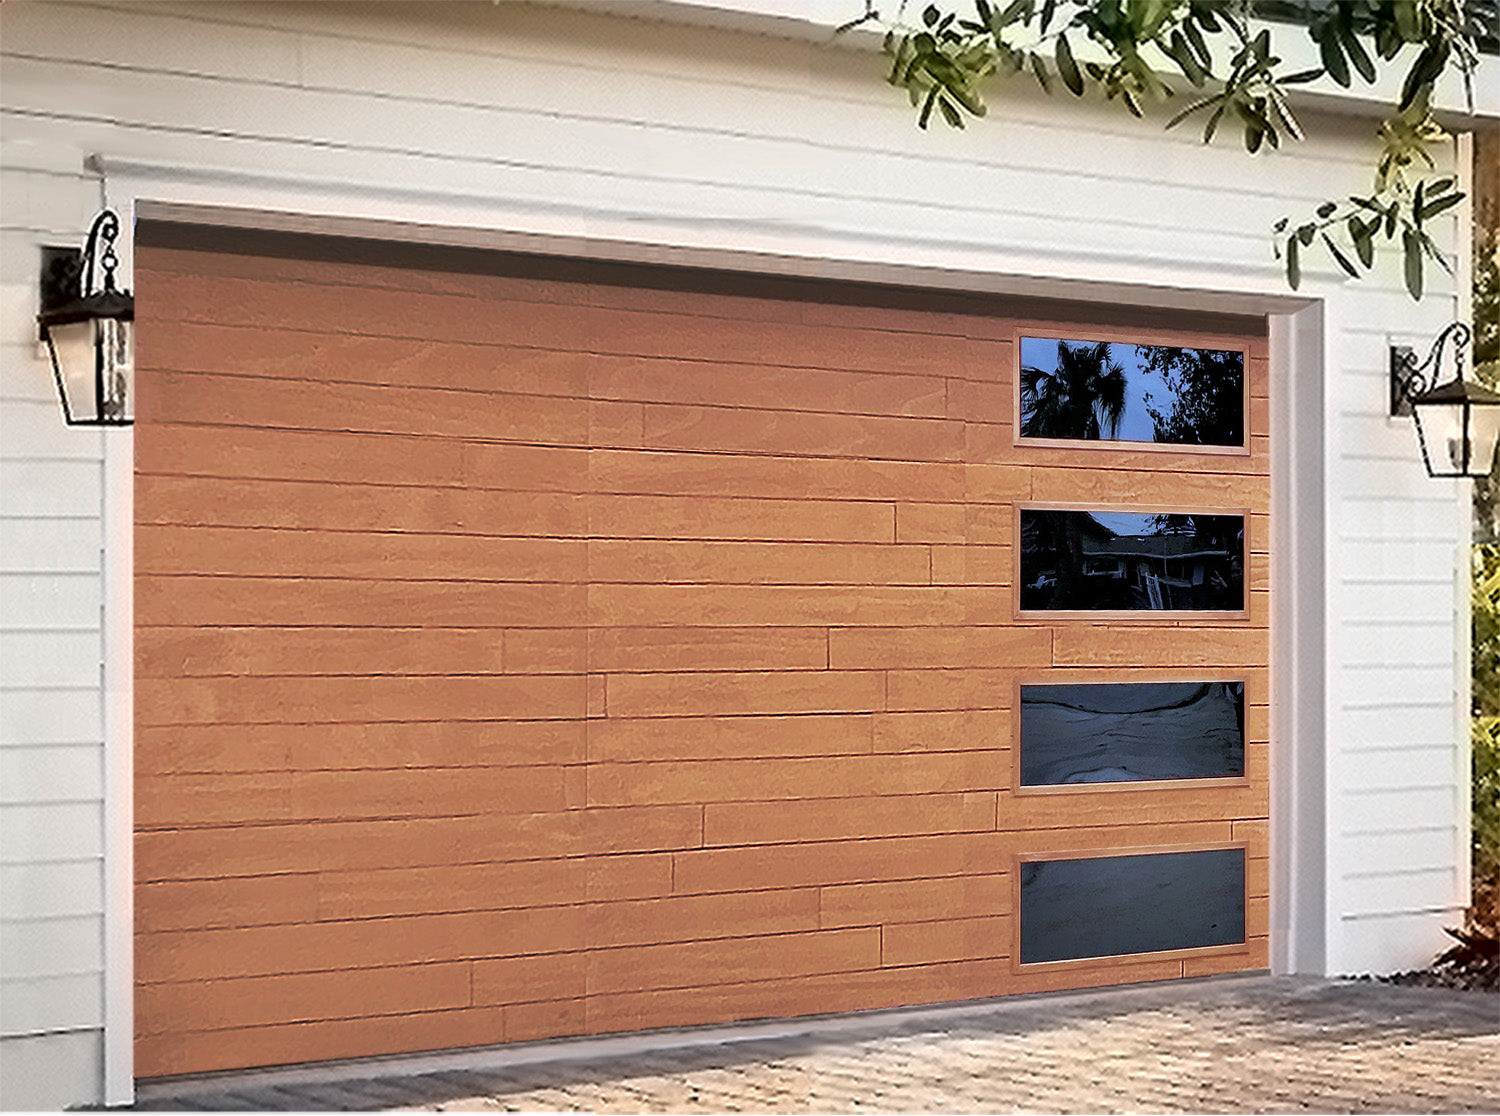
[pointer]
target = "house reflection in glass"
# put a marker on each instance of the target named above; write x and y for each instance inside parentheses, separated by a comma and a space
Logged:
(1127, 731)
(1099, 561)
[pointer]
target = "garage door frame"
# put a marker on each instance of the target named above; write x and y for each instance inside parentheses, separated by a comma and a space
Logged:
(1299, 494)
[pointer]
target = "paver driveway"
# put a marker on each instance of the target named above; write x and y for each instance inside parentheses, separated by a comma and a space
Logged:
(1256, 1044)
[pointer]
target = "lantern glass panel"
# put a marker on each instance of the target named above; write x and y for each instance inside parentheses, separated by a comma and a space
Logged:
(1483, 436)
(116, 340)
(95, 360)
(1441, 426)
(73, 354)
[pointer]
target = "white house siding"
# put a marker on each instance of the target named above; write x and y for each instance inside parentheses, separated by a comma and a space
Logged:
(51, 759)
(569, 121)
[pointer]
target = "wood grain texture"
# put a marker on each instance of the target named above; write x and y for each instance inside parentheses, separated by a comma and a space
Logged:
(520, 656)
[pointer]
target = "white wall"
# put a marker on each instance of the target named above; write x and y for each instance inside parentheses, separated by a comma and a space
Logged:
(566, 122)
(51, 734)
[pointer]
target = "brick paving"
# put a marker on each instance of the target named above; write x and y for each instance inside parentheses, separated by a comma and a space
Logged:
(1247, 1044)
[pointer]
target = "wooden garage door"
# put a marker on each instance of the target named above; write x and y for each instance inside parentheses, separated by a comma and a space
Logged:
(532, 649)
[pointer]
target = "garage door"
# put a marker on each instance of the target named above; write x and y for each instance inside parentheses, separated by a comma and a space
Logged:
(533, 648)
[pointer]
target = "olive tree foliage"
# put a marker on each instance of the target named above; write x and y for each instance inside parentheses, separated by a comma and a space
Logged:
(1486, 359)
(1232, 75)
(1485, 724)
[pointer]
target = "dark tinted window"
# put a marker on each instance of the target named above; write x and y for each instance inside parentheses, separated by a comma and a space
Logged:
(1128, 560)
(1092, 390)
(1111, 905)
(1128, 731)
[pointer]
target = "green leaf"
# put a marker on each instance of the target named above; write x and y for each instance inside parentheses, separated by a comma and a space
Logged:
(1416, 204)
(1411, 246)
(1327, 208)
(1283, 110)
(1305, 233)
(1293, 264)
(1067, 69)
(1182, 54)
(927, 106)
(1213, 121)
(1356, 51)
(1039, 68)
(1437, 205)
(1424, 71)
(986, 13)
(1430, 247)
(1201, 103)
(1406, 21)
(1279, 226)
(1148, 15)
(1388, 41)
(1339, 257)
(930, 14)
(1364, 241)
(966, 96)
(950, 114)
(1200, 48)
(1047, 11)
(1333, 57)
(1300, 77)
(1390, 218)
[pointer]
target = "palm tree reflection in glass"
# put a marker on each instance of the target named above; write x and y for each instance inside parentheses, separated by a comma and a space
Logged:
(1082, 397)
(1086, 391)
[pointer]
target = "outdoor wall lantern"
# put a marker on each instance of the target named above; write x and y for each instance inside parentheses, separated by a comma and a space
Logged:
(1458, 422)
(90, 333)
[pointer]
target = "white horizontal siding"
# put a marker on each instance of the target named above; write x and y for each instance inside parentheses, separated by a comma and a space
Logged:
(52, 772)
(51, 731)
(52, 947)
(51, 601)
(36, 544)
(1409, 764)
(50, 1072)
(50, 659)
(1403, 849)
(31, 426)
(1383, 809)
(50, 831)
(50, 717)
(54, 889)
(40, 487)
(1424, 723)
(1398, 816)
(1380, 893)
(39, 1005)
